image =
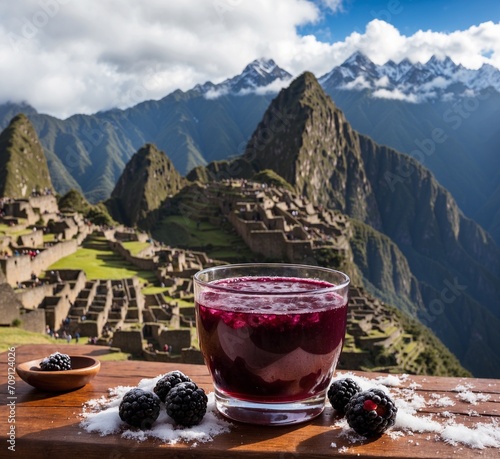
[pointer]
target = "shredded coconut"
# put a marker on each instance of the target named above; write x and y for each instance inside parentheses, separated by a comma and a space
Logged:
(409, 421)
(480, 436)
(463, 387)
(392, 380)
(101, 416)
(440, 401)
(472, 397)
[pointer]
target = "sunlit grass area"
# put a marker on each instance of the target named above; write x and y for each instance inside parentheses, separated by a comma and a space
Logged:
(13, 231)
(153, 290)
(114, 356)
(51, 237)
(181, 231)
(100, 262)
(135, 247)
(13, 336)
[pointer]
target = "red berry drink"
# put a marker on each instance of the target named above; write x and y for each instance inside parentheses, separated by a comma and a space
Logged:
(271, 340)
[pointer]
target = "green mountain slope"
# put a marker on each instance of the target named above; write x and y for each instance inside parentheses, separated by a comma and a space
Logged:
(23, 166)
(148, 179)
(74, 201)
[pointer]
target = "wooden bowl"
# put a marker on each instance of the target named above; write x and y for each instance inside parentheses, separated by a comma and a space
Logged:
(83, 369)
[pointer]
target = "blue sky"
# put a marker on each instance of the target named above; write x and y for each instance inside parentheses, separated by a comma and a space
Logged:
(408, 16)
(68, 56)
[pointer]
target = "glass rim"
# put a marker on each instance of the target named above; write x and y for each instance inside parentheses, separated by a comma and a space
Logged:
(322, 290)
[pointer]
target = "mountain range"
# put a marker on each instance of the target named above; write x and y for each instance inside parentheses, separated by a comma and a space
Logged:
(410, 242)
(443, 115)
(437, 79)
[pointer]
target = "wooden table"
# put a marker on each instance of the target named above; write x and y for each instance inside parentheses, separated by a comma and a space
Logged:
(48, 424)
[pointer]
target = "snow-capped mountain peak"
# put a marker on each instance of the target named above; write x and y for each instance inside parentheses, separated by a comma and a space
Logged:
(438, 78)
(260, 75)
(261, 66)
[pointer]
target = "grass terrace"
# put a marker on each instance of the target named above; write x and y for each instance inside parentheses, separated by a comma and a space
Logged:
(181, 231)
(135, 247)
(51, 237)
(14, 336)
(14, 231)
(100, 262)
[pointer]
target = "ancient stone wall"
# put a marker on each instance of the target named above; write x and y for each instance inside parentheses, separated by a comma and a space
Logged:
(149, 264)
(44, 204)
(19, 268)
(21, 209)
(176, 340)
(90, 328)
(32, 297)
(192, 356)
(273, 244)
(129, 341)
(16, 269)
(33, 239)
(56, 310)
(33, 321)
(129, 235)
(52, 254)
(10, 307)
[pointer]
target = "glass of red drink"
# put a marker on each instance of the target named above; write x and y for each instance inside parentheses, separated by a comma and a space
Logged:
(271, 335)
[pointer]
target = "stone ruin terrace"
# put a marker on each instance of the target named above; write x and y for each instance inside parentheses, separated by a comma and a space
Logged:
(374, 340)
(273, 222)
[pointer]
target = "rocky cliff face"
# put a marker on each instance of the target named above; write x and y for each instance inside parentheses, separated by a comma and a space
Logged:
(23, 166)
(423, 219)
(148, 179)
(385, 270)
(305, 139)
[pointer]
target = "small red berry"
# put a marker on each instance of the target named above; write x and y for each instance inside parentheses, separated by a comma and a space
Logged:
(369, 405)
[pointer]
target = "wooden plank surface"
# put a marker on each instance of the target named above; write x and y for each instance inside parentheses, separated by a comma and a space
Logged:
(48, 424)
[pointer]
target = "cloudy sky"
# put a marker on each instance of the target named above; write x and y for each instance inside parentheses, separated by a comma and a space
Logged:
(74, 56)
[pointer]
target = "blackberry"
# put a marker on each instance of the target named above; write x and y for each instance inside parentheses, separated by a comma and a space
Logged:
(139, 408)
(186, 404)
(56, 362)
(371, 413)
(168, 381)
(341, 391)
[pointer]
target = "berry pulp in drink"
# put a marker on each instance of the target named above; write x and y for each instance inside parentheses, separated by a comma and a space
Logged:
(271, 339)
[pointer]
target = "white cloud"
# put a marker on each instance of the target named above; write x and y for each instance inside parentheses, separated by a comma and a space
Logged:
(67, 56)
(333, 5)
(273, 87)
(214, 93)
(358, 84)
(70, 56)
(395, 94)
(382, 82)
(438, 82)
(382, 41)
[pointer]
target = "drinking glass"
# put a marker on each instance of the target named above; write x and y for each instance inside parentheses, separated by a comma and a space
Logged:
(271, 336)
